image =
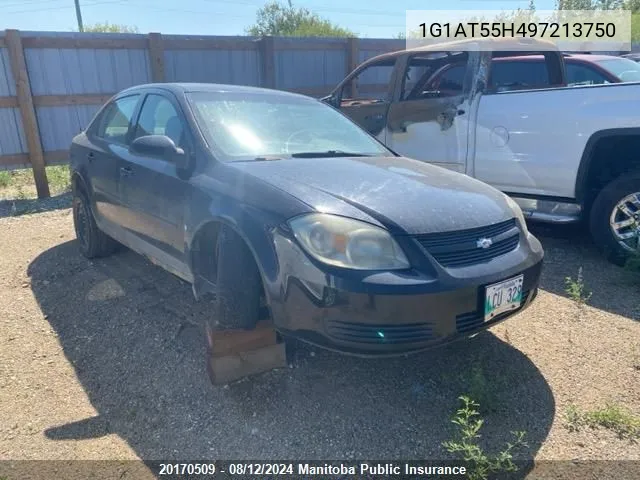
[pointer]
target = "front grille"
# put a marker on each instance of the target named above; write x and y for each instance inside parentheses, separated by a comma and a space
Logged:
(379, 334)
(468, 322)
(459, 249)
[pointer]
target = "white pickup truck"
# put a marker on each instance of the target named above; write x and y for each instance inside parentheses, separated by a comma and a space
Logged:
(564, 152)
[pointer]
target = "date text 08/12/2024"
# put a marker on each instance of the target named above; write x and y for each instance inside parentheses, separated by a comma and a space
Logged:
(284, 469)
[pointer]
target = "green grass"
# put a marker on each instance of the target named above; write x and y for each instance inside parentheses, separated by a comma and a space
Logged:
(5, 179)
(466, 444)
(59, 180)
(19, 184)
(612, 417)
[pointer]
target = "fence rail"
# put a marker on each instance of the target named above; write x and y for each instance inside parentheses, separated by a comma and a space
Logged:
(52, 83)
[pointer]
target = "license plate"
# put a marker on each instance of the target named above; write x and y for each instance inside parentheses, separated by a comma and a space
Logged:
(503, 297)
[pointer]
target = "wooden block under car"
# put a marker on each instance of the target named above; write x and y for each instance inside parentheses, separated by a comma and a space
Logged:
(239, 353)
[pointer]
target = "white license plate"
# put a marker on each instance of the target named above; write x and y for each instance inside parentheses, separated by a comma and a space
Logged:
(503, 297)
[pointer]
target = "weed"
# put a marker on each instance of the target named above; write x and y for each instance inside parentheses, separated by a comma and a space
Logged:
(611, 417)
(478, 387)
(484, 389)
(576, 289)
(577, 292)
(59, 179)
(572, 418)
(5, 179)
(21, 194)
(466, 444)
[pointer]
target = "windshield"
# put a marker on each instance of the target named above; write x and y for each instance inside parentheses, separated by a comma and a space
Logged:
(245, 126)
(623, 68)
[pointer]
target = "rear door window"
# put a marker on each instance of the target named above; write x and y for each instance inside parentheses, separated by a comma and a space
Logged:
(519, 75)
(580, 74)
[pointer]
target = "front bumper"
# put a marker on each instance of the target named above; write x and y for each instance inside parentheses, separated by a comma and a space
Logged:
(392, 313)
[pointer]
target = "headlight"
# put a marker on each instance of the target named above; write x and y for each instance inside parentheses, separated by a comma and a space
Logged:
(515, 208)
(348, 243)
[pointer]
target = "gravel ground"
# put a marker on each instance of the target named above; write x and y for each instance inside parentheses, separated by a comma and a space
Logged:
(105, 360)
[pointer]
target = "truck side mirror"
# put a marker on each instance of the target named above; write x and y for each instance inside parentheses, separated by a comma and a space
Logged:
(330, 100)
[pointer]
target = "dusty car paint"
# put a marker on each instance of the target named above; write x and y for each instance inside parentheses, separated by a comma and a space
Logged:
(306, 297)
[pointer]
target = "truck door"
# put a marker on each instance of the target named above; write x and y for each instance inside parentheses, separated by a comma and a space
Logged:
(522, 142)
(429, 119)
(365, 96)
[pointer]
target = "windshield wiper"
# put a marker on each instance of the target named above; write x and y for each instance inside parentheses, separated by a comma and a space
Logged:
(328, 153)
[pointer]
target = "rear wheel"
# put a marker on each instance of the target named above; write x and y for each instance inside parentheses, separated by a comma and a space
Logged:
(93, 242)
(615, 218)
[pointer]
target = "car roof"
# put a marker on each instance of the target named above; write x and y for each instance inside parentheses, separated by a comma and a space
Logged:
(186, 87)
(495, 44)
(585, 57)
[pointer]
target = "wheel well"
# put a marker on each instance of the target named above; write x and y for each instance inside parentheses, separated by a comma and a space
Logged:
(203, 252)
(204, 256)
(77, 184)
(611, 157)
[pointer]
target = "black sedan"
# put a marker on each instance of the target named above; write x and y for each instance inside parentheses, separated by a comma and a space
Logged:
(282, 206)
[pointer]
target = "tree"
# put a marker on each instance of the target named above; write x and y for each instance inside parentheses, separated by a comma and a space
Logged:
(589, 4)
(285, 20)
(107, 27)
(633, 5)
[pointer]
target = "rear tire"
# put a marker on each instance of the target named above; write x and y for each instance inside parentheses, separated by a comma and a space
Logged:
(239, 285)
(606, 213)
(93, 242)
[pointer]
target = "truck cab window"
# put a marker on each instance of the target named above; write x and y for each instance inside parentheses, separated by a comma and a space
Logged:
(434, 75)
(579, 74)
(524, 71)
(370, 85)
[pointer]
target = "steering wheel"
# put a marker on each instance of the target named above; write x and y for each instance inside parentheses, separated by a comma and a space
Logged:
(311, 135)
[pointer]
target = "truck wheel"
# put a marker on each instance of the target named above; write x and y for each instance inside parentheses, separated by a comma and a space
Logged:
(615, 218)
(93, 242)
(239, 286)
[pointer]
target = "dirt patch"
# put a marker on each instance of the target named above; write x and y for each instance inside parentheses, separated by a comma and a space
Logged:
(105, 360)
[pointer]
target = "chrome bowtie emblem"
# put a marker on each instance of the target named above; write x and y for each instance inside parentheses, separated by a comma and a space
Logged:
(484, 243)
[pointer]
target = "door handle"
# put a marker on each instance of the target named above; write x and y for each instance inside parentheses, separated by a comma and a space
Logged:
(377, 117)
(126, 171)
(461, 112)
(91, 156)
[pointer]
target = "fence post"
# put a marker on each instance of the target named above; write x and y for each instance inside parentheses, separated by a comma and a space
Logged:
(156, 57)
(352, 62)
(267, 50)
(27, 111)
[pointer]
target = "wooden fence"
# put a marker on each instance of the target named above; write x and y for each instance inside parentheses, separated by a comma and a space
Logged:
(52, 83)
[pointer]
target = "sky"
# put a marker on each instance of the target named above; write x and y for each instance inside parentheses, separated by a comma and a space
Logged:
(368, 18)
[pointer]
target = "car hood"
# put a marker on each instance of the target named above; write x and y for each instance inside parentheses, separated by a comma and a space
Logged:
(403, 195)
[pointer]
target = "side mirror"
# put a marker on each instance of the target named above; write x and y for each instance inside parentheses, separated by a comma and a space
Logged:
(331, 100)
(160, 146)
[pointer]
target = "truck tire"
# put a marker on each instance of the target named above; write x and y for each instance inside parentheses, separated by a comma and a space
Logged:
(615, 215)
(93, 242)
(239, 285)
